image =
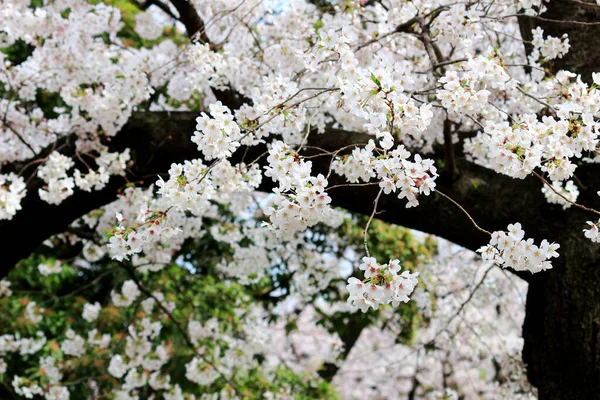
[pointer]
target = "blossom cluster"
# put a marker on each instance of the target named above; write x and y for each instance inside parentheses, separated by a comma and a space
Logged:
(147, 26)
(460, 95)
(49, 268)
(12, 190)
(150, 227)
(517, 149)
(193, 186)
(382, 285)
(141, 352)
(466, 92)
(54, 173)
(59, 185)
(394, 170)
(129, 292)
(557, 194)
(593, 232)
(91, 311)
(549, 48)
(217, 135)
(510, 250)
(300, 201)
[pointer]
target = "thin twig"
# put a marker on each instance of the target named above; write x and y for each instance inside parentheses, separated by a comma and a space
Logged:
(464, 211)
(369, 221)
(352, 185)
(464, 303)
(565, 198)
(534, 98)
(449, 62)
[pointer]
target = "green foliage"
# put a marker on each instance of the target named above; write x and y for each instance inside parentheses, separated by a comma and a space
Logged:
(193, 286)
(199, 292)
(17, 52)
(385, 241)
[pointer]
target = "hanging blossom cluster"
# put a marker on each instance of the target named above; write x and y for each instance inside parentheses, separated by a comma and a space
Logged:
(393, 169)
(300, 200)
(149, 228)
(593, 231)
(510, 250)
(466, 92)
(194, 185)
(12, 190)
(217, 135)
(382, 285)
(564, 196)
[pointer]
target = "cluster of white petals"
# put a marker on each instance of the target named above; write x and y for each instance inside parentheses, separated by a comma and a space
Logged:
(564, 196)
(382, 285)
(300, 201)
(193, 185)
(149, 228)
(49, 268)
(129, 292)
(12, 190)
(510, 250)
(217, 135)
(593, 231)
(74, 345)
(91, 311)
(550, 47)
(394, 170)
(54, 173)
(33, 313)
(147, 26)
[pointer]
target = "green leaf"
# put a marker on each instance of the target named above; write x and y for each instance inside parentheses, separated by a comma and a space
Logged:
(318, 25)
(375, 80)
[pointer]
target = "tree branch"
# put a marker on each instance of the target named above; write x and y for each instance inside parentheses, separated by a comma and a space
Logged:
(158, 139)
(189, 17)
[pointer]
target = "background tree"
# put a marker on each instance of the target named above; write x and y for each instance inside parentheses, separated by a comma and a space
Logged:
(73, 75)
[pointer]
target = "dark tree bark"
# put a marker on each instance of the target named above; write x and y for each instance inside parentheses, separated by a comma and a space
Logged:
(561, 329)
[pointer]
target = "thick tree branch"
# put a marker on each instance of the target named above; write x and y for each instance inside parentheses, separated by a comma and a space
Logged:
(157, 139)
(189, 17)
(561, 328)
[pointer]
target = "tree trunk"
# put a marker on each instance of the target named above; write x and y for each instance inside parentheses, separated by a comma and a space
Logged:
(562, 322)
(563, 305)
